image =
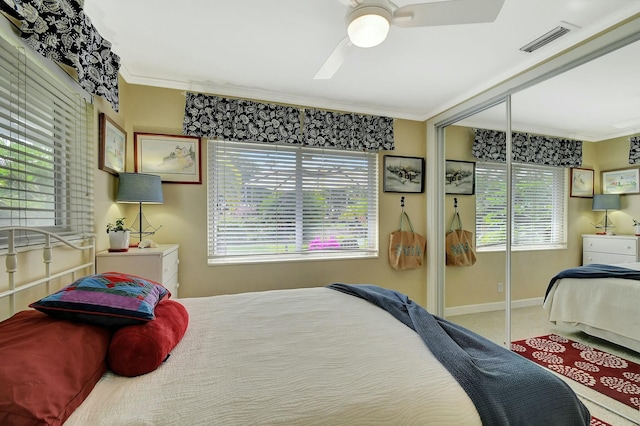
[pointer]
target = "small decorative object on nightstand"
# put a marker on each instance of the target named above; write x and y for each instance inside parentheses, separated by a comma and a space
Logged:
(118, 235)
(159, 264)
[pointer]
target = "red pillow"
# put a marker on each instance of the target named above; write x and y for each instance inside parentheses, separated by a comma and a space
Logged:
(140, 349)
(48, 366)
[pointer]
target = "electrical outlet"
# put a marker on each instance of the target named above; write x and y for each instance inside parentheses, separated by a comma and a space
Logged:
(500, 287)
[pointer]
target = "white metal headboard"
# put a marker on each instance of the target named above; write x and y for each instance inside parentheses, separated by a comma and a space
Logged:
(11, 259)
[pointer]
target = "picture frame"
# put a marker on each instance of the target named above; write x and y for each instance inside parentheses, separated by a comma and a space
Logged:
(112, 149)
(403, 174)
(460, 177)
(624, 181)
(175, 158)
(581, 183)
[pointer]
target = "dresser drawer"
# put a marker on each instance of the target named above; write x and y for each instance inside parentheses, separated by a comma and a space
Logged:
(170, 265)
(613, 245)
(607, 258)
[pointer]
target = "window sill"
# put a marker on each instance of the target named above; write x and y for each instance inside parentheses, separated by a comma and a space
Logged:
(286, 258)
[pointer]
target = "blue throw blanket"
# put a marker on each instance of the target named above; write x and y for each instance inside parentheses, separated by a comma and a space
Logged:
(506, 388)
(595, 270)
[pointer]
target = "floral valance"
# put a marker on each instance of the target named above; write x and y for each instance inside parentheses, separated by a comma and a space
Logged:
(249, 121)
(634, 150)
(60, 31)
(491, 145)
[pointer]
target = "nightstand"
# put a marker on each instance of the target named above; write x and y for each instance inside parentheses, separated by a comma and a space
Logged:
(158, 264)
(610, 249)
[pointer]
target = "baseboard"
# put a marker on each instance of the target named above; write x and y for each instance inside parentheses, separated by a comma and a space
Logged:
(494, 306)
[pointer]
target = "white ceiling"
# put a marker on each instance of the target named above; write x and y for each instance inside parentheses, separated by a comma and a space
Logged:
(270, 50)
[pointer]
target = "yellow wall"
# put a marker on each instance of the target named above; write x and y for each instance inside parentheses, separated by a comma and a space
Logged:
(183, 216)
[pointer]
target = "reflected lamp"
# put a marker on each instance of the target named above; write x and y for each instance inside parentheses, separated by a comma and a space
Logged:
(605, 202)
(140, 188)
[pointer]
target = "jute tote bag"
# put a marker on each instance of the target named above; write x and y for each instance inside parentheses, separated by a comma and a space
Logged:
(406, 248)
(459, 244)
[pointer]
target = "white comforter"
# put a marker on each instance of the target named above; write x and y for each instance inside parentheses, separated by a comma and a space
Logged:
(295, 357)
(603, 307)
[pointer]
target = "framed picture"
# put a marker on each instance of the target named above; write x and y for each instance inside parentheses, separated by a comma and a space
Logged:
(582, 183)
(176, 159)
(403, 174)
(113, 146)
(460, 177)
(624, 181)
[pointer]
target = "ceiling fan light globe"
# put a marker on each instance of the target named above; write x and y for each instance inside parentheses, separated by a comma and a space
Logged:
(368, 30)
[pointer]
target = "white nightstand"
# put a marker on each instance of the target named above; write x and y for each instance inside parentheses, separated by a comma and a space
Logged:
(610, 249)
(159, 264)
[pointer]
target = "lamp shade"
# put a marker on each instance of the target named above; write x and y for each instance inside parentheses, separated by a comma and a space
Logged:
(603, 202)
(139, 188)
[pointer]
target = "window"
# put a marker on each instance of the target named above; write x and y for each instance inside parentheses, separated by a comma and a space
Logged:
(46, 146)
(539, 206)
(275, 202)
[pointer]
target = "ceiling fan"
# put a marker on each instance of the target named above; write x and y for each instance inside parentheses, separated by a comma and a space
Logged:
(368, 22)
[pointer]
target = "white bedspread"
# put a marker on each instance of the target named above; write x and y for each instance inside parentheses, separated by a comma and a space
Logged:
(295, 357)
(603, 307)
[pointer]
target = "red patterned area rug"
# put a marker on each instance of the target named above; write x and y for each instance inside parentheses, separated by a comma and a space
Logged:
(598, 422)
(607, 374)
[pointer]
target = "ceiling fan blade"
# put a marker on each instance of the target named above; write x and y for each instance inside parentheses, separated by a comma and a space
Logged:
(451, 12)
(335, 60)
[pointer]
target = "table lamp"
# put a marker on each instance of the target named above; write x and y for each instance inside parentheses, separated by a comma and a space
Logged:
(605, 202)
(140, 188)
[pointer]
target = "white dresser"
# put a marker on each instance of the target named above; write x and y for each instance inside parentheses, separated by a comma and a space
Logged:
(158, 264)
(610, 249)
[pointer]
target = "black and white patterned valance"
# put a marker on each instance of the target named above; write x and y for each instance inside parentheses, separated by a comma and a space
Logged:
(240, 120)
(491, 145)
(249, 121)
(353, 132)
(60, 31)
(634, 150)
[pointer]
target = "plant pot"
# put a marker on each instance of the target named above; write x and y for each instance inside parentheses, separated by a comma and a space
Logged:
(119, 240)
(636, 229)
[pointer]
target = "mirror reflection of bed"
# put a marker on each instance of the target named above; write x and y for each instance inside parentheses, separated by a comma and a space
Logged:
(531, 271)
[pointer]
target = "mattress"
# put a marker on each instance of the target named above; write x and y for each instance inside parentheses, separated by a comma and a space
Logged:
(275, 358)
(602, 307)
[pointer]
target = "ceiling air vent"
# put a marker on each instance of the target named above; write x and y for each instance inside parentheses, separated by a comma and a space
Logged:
(547, 38)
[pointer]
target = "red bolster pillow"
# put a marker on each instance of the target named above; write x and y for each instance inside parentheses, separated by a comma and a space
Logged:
(139, 349)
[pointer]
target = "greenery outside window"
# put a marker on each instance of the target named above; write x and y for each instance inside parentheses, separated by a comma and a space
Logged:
(275, 203)
(539, 212)
(46, 146)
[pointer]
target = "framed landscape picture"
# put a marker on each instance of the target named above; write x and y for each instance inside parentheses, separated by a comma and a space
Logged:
(403, 174)
(625, 181)
(176, 159)
(460, 177)
(582, 183)
(112, 148)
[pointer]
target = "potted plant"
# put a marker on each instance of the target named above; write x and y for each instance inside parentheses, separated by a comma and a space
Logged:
(636, 226)
(118, 235)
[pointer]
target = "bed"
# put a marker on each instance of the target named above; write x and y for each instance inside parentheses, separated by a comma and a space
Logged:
(600, 300)
(341, 354)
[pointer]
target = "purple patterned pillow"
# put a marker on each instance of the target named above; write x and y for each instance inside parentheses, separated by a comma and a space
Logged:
(110, 299)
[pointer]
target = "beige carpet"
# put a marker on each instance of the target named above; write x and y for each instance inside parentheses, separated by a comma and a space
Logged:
(532, 322)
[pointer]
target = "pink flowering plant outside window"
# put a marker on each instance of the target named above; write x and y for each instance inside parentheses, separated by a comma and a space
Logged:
(321, 244)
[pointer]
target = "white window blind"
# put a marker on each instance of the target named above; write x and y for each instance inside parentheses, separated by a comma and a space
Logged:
(46, 147)
(274, 202)
(539, 206)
